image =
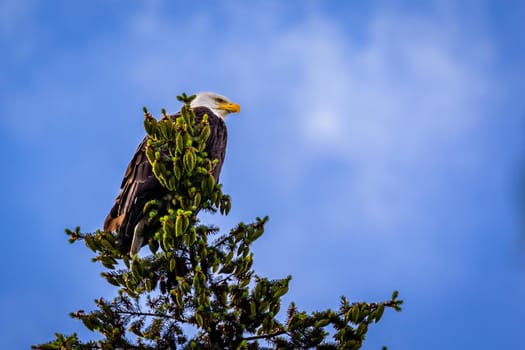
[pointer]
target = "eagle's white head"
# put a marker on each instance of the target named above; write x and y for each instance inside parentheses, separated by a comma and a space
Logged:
(219, 104)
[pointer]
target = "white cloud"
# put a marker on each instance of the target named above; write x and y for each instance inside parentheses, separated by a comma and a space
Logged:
(389, 107)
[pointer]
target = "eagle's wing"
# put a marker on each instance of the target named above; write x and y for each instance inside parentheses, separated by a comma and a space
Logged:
(138, 187)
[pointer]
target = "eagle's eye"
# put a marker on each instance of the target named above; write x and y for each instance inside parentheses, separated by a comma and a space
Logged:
(220, 100)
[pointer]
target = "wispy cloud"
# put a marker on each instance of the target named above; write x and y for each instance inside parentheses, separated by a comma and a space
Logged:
(392, 108)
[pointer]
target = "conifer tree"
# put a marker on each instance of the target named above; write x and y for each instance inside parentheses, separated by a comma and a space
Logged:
(195, 287)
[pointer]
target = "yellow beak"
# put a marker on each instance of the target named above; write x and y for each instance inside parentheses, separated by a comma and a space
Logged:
(230, 107)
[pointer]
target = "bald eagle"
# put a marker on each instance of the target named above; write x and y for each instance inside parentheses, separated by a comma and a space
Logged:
(140, 185)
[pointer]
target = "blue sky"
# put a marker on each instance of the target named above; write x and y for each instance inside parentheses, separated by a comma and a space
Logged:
(383, 138)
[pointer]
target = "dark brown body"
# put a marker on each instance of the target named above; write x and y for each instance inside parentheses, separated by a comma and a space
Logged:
(140, 185)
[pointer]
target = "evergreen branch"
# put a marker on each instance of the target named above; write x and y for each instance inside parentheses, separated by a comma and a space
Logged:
(150, 314)
(266, 336)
